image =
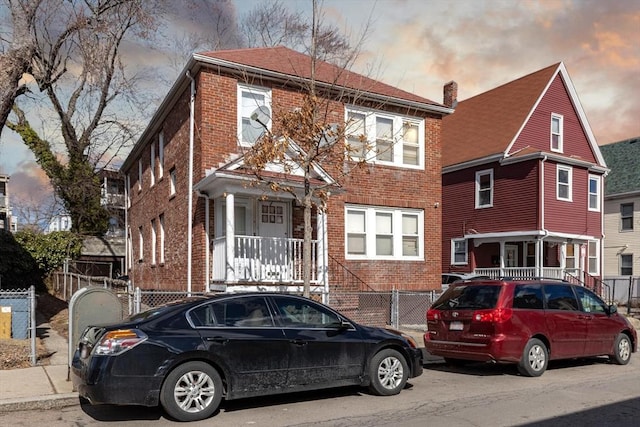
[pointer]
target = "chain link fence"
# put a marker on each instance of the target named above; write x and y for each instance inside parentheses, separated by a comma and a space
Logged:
(18, 317)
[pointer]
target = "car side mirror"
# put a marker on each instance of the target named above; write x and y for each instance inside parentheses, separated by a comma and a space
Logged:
(612, 309)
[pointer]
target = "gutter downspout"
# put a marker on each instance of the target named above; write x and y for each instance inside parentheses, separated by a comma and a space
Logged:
(540, 245)
(190, 209)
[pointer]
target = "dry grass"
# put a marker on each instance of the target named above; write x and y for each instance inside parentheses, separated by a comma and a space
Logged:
(16, 354)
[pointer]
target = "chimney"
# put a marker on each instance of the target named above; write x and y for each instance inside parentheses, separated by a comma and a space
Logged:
(450, 94)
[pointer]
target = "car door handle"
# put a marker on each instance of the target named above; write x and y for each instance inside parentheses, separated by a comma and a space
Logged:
(298, 342)
(217, 340)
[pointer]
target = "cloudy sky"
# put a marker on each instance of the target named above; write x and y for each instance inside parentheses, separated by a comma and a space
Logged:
(418, 45)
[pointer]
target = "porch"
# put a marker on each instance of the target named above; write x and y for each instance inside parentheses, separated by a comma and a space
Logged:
(528, 272)
(258, 259)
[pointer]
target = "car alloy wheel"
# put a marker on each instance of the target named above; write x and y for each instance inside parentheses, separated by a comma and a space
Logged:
(389, 372)
(192, 391)
(622, 349)
(535, 358)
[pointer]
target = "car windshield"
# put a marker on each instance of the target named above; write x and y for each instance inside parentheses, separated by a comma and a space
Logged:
(468, 297)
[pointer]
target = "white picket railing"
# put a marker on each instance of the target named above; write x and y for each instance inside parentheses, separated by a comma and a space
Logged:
(527, 272)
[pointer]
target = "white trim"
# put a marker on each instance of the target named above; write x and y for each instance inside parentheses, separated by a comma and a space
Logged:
(160, 154)
(560, 119)
(598, 194)
(568, 169)
(253, 90)
(153, 165)
(597, 257)
(369, 232)
(479, 175)
(154, 241)
(453, 252)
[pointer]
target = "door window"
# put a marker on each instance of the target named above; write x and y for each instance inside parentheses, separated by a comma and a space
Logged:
(590, 302)
(561, 297)
(304, 314)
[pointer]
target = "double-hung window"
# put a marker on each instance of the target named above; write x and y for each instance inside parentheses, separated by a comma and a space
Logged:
(385, 138)
(626, 217)
(252, 99)
(383, 233)
(556, 133)
(152, 164)
(626, 265)
(160, 155)
(563, 183)
(594, 193)
(594, 257)
(459, 251)
(484, 189)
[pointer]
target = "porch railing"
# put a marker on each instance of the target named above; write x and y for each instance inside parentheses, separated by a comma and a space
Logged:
(526, 272)
(263, 259)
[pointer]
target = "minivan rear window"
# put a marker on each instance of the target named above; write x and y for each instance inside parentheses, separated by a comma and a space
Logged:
(468, 297)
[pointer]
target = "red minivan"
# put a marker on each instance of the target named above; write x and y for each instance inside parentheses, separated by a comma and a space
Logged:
(526, 322)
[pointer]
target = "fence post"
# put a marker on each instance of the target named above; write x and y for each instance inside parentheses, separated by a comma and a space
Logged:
(33, 326)
(395, 321)
(137, 299)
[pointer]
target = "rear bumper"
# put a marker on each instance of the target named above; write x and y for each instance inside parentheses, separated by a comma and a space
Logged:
(497, 349)
(94, 382)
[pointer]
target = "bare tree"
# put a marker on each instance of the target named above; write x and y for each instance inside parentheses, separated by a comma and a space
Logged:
(18, 48)
(306, 137)
(77, 64)
(35, 213)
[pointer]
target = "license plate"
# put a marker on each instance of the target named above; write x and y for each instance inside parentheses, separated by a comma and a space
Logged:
(456, 326)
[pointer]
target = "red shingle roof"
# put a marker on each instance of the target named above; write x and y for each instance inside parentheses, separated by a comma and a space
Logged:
(487, 123)
(295, 64)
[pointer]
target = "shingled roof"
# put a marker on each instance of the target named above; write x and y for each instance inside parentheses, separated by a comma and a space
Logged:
(288, 62)
(623, 157)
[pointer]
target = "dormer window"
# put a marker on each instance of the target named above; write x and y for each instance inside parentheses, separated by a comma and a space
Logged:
(556, 133)
(250, 100)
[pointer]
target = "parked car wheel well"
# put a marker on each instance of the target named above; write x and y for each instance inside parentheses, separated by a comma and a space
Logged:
(391, 346)
(217, 367)
(545, 341)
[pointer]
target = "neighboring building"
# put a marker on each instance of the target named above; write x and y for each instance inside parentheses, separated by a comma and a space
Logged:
(622, 208)
(196, 223)
(59, 222)
(522, 182)
(7, 221)
(112, 196)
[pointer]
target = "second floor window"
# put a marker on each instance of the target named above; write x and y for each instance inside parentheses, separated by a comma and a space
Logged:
(172, 181)
(484, 188)
(626, 217)
(556, 133)
(385, 138)
(160, 155)
(594, 193)
(563, 183)
(153, 164)
(250, 99)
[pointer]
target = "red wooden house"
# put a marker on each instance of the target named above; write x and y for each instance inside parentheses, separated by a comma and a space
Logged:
(196, 223)
(522, 179)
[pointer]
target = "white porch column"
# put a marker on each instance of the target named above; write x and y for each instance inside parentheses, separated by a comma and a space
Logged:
(539, 257)
(502, 251)
(230, 238)
(323, 255)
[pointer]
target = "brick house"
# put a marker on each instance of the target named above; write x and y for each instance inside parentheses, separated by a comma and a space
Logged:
(196, 223)
(522, 182)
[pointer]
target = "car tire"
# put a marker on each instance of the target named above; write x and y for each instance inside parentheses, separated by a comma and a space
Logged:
(621, 350)
(191, 392)
(389, 372)
(535, 358)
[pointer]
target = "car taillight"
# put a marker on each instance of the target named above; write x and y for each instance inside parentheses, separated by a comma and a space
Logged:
(497, 315)
(117, 342)
(433, 314)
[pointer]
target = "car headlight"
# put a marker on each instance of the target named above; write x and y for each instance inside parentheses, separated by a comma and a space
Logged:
(117, 342)
(409, 338)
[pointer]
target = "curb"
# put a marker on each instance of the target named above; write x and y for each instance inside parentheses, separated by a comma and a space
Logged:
(42, 402)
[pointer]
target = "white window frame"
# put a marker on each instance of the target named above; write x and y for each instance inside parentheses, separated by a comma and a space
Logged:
(173, 178)
(629, 257)
(569, 184)
(141, 244)
(128, 183)
(398, 145)
(560, 119)
(596, 195)
(623, 217)
(162, 237)
(154, 241)
(153, 165)
(140, 174)
(370, 232)
(453, 252)
(595, 272)
(257, 90)
(479, 175)
(160, 155)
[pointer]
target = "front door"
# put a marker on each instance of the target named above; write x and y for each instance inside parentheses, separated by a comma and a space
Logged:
(511, 255)
(273, 223)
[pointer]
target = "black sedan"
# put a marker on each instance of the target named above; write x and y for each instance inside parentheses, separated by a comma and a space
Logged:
(188, 355)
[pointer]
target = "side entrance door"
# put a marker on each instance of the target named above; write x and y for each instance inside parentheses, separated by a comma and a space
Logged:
(273, 227)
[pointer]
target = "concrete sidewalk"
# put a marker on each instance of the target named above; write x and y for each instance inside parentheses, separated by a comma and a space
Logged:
(40, 387)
